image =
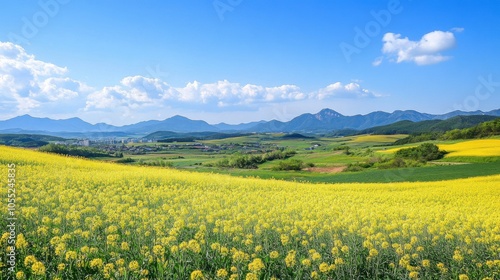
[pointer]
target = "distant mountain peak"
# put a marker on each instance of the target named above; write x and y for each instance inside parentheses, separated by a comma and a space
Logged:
(177, 117)
(327, 114)
(25, 116)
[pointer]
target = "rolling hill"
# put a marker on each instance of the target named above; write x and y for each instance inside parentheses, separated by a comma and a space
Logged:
(410, 127)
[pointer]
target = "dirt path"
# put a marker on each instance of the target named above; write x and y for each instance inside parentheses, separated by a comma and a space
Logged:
(332, 169)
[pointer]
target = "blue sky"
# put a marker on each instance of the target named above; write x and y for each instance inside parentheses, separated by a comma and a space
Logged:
(236, 61)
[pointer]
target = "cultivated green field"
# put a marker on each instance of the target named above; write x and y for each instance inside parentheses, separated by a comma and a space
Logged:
(329, 157)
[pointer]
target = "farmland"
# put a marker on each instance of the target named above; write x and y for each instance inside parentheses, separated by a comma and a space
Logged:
(329, 156)
(79, 218)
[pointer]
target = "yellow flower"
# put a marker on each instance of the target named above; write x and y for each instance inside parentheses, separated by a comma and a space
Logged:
(5, 236)
(413, 275)
(70, 255)
(335, 251)
(60, 249)
(174, 249)
(274, 254)
(284, 239)
(324, 267)
(458, 256)
(306, 262)
(108, 270)
(21, 242)
(38, 268)
(238, 256)
(121, 262)
(124, 246)
(96, 263)
(194, 246)
(316, 256)
(251, 276)
(20, 275)
(111, 239)
(61, 267)
(463, 277)
(373, 252)
(215, 246)
(197, 274)
(258, 248)
(29, 260)
(345, 249)
(222, 273)
(158, 250)
(290, 260)
(426, 263)
(85, 249)
(133, 266)
(224, 251)
(441, 267)
(256, 265)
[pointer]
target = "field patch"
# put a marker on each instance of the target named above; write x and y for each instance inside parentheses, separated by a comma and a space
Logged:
(378, 138)
(330, 170)
(482, 147)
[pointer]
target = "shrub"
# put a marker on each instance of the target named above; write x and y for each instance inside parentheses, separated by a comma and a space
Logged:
(73, 150)
(292, 164)
(125, 160)
(425, 152)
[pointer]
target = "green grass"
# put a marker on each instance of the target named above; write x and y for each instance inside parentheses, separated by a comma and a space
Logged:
(429, 173)
(419, 174)
(470, 159)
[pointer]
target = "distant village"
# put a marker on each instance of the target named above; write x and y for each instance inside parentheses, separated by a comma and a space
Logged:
(133, 146)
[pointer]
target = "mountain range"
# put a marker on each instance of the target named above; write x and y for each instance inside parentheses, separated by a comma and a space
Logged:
(326, 120)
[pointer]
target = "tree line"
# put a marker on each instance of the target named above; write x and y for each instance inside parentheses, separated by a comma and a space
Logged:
(482, 130)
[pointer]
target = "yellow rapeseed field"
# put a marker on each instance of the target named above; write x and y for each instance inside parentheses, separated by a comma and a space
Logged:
(479, 147)
(81, 219)
(482, 147)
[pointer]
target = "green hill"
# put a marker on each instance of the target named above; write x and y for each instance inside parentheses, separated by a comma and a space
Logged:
(409, 127)
(27, 140)
(482, 130)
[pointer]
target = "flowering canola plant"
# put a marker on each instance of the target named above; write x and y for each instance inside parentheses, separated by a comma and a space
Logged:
(82, 219)
(473, 148)
(480, 147)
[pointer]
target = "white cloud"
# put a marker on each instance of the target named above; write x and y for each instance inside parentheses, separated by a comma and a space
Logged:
(378, 61)
(339, 90)
(142, 91)
(27, 83)
(423, 52)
